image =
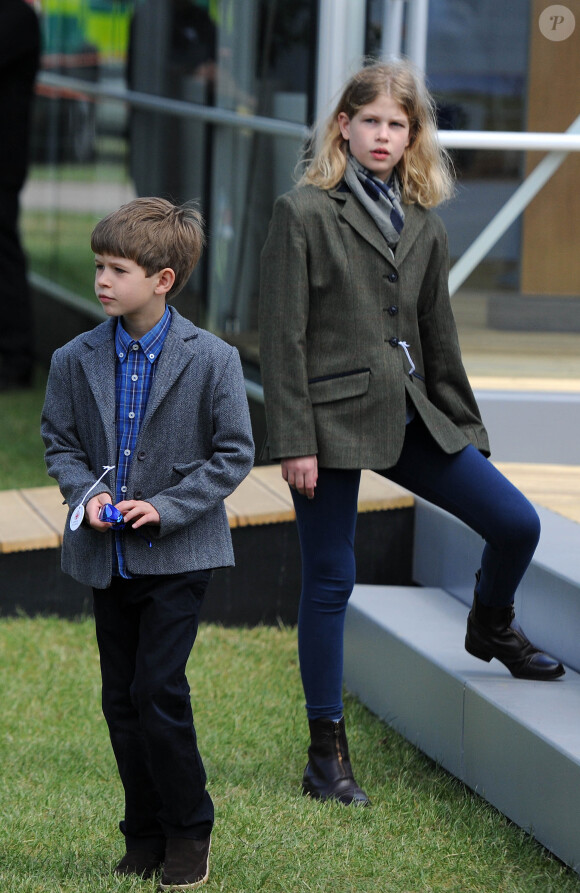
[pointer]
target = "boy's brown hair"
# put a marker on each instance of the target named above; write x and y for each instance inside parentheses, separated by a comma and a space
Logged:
(155, 234)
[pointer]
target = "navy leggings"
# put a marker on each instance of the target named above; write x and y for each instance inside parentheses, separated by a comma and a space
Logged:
(464, 484)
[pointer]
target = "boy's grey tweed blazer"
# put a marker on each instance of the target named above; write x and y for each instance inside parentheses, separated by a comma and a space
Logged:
(194, 447)
(334, 309)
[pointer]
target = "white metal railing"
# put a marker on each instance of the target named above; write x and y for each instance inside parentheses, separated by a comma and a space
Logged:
(557, 145)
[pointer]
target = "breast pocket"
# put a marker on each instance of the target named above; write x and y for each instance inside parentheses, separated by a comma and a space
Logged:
(339, 386)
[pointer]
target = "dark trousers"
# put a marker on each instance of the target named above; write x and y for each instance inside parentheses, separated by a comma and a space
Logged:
(16, 331)
(464, 484)
(145, 629)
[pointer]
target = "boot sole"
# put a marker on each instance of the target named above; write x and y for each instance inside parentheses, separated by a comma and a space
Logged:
(307, 792)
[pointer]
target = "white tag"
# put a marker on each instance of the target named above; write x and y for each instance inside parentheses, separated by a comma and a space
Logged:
(76, 519)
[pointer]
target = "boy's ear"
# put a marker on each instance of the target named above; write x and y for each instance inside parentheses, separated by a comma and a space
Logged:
(165, 280)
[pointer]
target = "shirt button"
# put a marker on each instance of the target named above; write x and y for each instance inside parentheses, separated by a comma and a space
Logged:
(127, 452)
(131, 415)
(123, 489)
(121, 355)
(134, 378)
(151, 356)
(134, 347)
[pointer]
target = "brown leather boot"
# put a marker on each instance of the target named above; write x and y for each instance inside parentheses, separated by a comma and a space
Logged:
(492, 632)
(328, 775)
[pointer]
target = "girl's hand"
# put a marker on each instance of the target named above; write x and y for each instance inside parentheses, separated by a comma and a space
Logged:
(92, 512)
(137, 513)
(301, 474)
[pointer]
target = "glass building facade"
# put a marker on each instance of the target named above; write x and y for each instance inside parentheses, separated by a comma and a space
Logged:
(211, 100)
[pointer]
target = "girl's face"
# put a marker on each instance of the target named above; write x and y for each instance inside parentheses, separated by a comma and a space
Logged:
(378, 135)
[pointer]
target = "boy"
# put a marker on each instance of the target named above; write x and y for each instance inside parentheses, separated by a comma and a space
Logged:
(161, 402)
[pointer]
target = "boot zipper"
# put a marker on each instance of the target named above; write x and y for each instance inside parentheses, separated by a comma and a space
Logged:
(338, 750)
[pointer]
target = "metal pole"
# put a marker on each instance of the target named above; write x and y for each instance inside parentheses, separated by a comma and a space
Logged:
(392, 34)
(417, 24)
(340, 49)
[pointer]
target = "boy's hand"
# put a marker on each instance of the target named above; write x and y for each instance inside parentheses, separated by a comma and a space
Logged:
(92, 512)
(137, 513)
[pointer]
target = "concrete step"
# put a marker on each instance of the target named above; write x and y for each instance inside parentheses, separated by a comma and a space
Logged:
(514, 742)
(446, 555)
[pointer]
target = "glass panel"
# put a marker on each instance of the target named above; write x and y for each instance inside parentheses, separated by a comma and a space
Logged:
(78, 147)
(90, 156)
(266, 63)
(476, 70)
(477, 61)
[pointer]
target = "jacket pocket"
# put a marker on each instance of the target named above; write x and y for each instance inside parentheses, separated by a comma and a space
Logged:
(328, 388)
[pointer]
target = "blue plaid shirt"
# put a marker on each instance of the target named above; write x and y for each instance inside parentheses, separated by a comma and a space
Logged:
(135, 370)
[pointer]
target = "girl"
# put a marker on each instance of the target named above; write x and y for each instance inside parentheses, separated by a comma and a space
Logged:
(361, 369)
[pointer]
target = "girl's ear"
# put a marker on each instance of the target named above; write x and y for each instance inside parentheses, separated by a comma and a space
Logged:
(344, 125)
(165, 280)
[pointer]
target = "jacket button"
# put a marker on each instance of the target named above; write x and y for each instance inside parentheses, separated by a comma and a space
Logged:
(394, 342)
(141, 455)
(138, 494)
(393, 310)
(393, 277)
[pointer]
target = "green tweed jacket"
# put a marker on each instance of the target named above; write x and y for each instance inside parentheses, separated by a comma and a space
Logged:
(349, 334)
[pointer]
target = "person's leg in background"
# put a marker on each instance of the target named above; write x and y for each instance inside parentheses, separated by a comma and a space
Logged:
(16, 331)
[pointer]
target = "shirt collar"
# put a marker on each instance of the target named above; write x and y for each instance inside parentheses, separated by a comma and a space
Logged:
(151, 343)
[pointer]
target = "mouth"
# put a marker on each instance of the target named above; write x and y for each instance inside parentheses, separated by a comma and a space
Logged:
(380, 154)
(105, 299)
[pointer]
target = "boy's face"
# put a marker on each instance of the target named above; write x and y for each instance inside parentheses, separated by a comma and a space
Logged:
(124, 289)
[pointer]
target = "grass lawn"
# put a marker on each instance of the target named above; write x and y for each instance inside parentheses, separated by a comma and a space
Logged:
(60, 798)
(21, 447)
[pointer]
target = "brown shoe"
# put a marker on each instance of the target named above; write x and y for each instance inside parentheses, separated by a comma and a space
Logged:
(186, 863)
(140, 862)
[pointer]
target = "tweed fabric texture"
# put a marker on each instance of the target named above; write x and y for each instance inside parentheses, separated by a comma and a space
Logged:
(335, 308)
(193, 449)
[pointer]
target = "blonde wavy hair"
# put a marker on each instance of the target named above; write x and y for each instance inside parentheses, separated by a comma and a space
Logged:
(425, 170)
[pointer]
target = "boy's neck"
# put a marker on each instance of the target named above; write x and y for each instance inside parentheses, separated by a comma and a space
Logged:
(136, 327)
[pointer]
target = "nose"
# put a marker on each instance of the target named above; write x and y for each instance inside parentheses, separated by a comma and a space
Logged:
(383, 132)
(100, 276)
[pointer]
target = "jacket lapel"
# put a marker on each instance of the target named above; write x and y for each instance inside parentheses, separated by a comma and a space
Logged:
(360, 220)
(98, 363)
(177, 353)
